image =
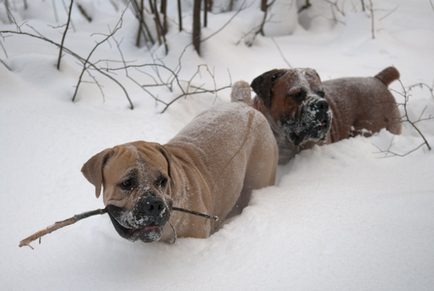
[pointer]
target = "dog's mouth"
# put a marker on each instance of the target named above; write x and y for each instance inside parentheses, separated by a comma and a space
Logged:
(148, 232)
(313, 123)
(315, 131)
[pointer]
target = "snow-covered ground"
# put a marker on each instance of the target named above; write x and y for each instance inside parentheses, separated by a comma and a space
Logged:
(341, 217)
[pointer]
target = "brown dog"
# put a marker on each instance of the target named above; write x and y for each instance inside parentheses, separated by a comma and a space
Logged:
(211, 166)
(303, 111)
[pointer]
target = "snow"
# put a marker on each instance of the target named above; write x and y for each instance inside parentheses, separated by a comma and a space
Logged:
(341, 216)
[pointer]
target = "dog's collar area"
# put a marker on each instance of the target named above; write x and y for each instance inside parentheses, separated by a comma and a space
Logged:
(255, 103)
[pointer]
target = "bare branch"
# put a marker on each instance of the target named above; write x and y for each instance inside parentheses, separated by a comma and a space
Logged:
(58, 225)
(388, 153)
(84, 13)
(406, 118)
(305, 6)
(281, 54)
(86, 62)
(67, 12)
(242, 7)
(64, 34)
(371, 9)
(421, 85)
(56, 17)
(4, 50)
(7, 67)
(389, 13)
(260, 28)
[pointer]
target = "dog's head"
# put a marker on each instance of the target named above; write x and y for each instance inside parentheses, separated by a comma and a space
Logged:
(294, 104)
(136, 182)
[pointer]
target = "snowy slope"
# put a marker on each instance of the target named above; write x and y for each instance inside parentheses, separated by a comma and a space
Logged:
(341, 216)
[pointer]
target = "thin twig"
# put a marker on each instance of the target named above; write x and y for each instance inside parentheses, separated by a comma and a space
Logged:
(389, 13)
(56, 17)
(281, 54)
(60, 224)
(78, 57)
(388, 153)
(7, 67)
(4, 50)
(371, 8)
(86, 61)
(421, 85)
(196, 213)
(305, 6)
(406, 118)
(84, 13)
(66, 10)
(64, 34)
(242, 7)
(260, 28)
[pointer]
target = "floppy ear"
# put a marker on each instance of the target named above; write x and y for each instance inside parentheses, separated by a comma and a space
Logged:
(263, 85)
(168, 157)
(92, 169)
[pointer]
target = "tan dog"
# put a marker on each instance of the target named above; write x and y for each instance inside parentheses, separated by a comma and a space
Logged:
(211, 166)
(303, 111)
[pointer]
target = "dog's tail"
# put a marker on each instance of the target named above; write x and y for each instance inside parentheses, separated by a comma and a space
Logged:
(388, 75)
(241, 92)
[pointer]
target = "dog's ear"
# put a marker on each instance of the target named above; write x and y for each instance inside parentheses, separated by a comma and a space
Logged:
(263, 85)
(316, 73)
(168, 156)
(93, 168)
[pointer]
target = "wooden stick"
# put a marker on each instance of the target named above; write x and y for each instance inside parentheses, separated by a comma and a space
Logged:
(195, 213)
(60, 224)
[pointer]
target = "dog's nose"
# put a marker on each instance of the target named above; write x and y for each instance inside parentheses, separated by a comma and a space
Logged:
(322, 105)
(151, 206)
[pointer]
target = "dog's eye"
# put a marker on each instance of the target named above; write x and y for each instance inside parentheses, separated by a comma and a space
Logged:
(127, 184)
(298, 96)
(161, 183)
(320, 93)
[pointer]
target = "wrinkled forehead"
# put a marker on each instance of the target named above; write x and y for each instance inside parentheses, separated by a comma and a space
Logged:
(129, 159)
(299, 78)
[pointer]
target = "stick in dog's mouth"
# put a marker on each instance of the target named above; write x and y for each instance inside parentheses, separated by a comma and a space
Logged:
(60, 224)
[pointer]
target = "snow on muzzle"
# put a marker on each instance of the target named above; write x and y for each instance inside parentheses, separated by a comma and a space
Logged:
(145, 222)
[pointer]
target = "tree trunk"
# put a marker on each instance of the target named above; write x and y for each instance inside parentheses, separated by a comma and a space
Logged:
(196, 25)
(264, 5)
(163, 10)
(179, 15)
(205, 13)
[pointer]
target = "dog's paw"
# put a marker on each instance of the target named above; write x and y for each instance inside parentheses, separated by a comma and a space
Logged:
(241, 92)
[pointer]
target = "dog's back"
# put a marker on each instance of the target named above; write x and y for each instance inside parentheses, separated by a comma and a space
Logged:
(231, 150)
(363, 105)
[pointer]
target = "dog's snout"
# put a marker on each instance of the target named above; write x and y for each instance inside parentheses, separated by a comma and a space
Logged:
(322, 105)
(319, 109)
(151, 206)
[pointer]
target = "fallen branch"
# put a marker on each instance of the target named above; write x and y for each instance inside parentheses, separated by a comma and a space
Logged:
(59, 224)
